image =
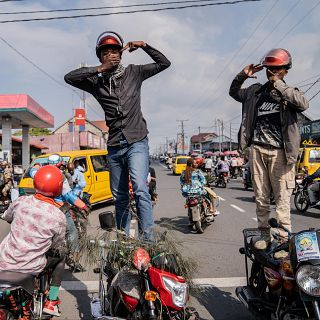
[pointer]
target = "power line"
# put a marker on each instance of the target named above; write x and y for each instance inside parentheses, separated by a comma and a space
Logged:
(312, 85)
(314, 96)
(128, 12)
(209, 85)
(105, 7)
(41, 70)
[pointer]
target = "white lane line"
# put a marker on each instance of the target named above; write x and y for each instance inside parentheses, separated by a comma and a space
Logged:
(162, 165)
(205, 282)
(222, 199)
(255, 219)
(237, 208)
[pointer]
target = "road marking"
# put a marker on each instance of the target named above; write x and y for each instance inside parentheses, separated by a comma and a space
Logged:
(162, 165)
(237, 208)
(203, 282)
(255, 219)
(222, 199)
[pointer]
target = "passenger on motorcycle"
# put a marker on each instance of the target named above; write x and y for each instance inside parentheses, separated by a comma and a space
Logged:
(208, 164)
(223, 165)
(68, 195)
(192, 181)
(37, 235)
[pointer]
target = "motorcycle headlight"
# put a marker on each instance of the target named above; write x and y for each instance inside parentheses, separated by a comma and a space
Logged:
(308, 280)
(178, 290)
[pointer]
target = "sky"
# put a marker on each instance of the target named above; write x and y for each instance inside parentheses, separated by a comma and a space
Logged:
(207, 47)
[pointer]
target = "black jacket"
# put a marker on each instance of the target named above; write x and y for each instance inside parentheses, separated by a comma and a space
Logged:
(121, 104)
(292, 102)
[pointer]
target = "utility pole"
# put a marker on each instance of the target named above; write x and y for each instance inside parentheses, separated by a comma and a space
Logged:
(230, 147)
(222, 131)
(182, 133)
(199, 129)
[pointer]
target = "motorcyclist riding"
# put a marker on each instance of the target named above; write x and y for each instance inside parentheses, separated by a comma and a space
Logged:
(192, 181)
(37, 236)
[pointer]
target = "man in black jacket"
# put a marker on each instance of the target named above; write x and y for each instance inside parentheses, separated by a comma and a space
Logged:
(270, 128)
(118, 90)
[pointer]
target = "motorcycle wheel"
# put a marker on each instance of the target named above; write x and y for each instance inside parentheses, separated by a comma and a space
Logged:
(198, 227)
(223, 184)
(301, 201)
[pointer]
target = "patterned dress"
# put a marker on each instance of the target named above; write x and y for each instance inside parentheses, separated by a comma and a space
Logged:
(198, 181)
(36, 226)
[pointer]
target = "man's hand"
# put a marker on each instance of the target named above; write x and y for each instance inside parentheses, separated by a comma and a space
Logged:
(251, 69)
(133, 45)
(108, 65)
(85, 211)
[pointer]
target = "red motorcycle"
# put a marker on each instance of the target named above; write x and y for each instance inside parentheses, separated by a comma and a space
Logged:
(145, 288)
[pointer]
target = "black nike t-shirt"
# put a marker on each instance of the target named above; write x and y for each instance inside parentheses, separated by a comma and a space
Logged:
(267, 129)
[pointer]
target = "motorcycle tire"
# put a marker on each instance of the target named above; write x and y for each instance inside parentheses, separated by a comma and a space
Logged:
(223, 184)
(198, 227)
(301, 201)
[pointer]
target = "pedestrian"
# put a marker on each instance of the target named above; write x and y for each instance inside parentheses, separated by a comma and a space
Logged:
(208, 164)
(270, 128)
(118, 90)
(79, 181)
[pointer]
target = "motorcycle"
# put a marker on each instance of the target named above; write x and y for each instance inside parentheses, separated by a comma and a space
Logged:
(198, 212)
(302, 200)
(282, 289)
(22, 296)
(143, 288)
(222, 179)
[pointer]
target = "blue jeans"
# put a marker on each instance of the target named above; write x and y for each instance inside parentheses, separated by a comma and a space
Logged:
(131, 159)
(72, 234)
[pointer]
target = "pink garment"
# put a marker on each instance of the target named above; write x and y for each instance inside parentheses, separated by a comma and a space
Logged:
(36, 226)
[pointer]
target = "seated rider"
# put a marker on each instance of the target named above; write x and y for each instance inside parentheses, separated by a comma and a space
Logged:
(314, 188)
(193, 182)
(37, 235)
(223, 165)
(68, 195)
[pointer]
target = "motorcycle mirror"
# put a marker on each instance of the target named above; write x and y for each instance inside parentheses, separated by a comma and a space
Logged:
(107, 221)
(273, 223)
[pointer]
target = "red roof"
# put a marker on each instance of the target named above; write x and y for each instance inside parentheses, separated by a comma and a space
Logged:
(202, 137)
(101, 124)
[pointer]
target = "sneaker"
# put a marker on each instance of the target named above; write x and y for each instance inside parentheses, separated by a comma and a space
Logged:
(281, 254)
(51, 307)
(263, 243)
(216, 213)
(210, 218)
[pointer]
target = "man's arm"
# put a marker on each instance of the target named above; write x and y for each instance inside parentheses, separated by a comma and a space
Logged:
(82, 78)
(292, 97)
(9, 213)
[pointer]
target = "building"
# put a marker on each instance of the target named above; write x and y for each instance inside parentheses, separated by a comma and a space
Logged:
(201, 142)
(92, 135)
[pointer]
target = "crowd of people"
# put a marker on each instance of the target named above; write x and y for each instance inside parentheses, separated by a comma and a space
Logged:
(269, 131)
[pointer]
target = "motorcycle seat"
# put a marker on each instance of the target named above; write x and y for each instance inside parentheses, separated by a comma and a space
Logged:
(10, 279)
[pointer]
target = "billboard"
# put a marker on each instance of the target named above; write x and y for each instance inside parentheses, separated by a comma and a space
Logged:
(182, 148)
(80, 117)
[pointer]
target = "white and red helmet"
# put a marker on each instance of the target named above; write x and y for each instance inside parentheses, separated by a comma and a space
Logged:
(277, 58)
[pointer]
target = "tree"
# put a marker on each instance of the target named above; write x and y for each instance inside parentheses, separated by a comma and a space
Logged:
(35, 132)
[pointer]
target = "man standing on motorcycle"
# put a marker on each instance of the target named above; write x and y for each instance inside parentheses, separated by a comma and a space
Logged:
(192, 181)
(118, 90)
(270, 128)
(37, 235)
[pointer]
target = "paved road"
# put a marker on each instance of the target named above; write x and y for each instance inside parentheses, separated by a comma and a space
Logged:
(220, 266)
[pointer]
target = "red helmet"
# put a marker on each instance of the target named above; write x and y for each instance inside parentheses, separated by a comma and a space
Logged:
(277, 58)
(105, 39)
(199, 161)
(48, 181)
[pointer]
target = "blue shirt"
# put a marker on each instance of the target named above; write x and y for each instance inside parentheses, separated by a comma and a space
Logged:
(81, 184)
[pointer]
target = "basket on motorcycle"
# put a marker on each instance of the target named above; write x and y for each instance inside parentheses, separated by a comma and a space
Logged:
(251, 235)
(107, 220)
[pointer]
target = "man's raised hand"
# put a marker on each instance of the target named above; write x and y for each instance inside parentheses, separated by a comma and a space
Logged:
(251, 69)
(133, 45)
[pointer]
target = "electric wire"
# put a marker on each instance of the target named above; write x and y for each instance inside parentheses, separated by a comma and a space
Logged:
(210, 85)
(44, 72)
(312, 85)
(314, 96)
(106, 7)
(130, 12)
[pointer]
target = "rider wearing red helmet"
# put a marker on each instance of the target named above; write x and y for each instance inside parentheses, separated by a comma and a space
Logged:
(270, 128)
(37, 230)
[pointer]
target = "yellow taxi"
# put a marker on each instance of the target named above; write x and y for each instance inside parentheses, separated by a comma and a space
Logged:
(179, 164)
(96, 172)
(308, 159)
